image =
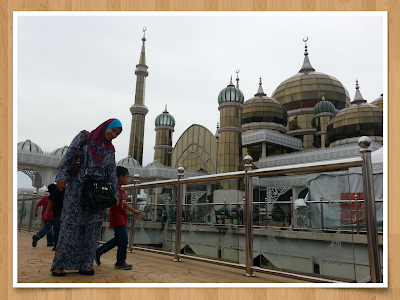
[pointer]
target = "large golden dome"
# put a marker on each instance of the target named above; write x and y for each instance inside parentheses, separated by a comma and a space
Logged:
(359, 119)
(262, 108)
(305, 88)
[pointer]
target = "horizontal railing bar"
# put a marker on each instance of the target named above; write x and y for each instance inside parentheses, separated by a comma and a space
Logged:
(271, 171)
(319, 166)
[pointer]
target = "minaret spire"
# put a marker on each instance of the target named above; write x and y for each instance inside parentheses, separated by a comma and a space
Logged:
(358, 98)
(237, 78)
(142, 60)
(306, 68)
(138, 109)
(260, 91)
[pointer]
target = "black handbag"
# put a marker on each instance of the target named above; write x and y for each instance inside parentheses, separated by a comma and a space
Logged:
(97, 194)
(75, 164)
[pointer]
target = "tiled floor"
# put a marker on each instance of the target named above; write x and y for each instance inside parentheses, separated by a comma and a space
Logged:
(34, 267)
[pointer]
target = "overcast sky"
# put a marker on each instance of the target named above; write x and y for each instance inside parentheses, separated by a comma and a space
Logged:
(73, 72)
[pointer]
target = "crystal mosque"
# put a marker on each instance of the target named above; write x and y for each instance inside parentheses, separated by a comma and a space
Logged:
(308, 117)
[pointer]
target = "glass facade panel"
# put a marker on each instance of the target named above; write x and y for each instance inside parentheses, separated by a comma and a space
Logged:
(334, 256)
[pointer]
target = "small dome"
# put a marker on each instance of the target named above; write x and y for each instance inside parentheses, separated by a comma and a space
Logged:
(165, 119)
(262, 108)
(359, 119)
(378, 101)
(129, 161)
(324, 106)
(230, 94)
(60, 151)
(29, 147)
(154, 164)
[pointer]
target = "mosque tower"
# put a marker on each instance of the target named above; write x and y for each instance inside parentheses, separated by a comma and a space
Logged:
(165, 124)
(324, 111)
(139, 110)
(230, 101)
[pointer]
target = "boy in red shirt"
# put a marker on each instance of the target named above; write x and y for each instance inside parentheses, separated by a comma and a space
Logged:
(47, 229)
(119, 221)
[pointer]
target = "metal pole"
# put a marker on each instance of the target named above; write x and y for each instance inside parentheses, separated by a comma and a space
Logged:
(22, 215)
(356, 208)
(322, 213)
(249, 218)
(369, 199)
(178, 216)
(33, 205)
(134, 205)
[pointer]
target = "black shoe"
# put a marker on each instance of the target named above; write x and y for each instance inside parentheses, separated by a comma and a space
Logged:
(87, 272)
(54, 249)
(123, 266)
(35, 239)
(97, 258)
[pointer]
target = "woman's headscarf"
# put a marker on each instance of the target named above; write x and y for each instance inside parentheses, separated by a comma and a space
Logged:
(99, 145)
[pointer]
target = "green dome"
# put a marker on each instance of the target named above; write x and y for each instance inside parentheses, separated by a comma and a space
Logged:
(324, 106)
(165, 119)
(230, 94)
(60, 151)
(29, 147)
(262, 108)
(129, 161)
(154, 164)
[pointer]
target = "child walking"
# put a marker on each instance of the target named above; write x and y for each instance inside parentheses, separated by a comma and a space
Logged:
(119, 221)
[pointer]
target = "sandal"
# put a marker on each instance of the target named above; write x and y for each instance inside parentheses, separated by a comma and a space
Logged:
(87, 272)
(60, 272)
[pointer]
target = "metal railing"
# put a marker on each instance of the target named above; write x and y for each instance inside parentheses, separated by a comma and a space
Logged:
(256, 215)
(344, 164)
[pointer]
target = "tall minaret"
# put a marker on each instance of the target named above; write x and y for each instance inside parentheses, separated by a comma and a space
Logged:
(230, 101)
(139, 110)
(165, 124)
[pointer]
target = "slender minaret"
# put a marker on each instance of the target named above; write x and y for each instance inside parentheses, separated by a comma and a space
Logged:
(230, 101)
(139, 110)
(165, 124)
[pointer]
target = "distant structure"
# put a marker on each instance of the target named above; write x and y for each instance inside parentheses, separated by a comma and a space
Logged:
(139, 109)
(309, 117)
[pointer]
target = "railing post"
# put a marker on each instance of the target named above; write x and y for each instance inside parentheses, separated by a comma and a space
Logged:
(178, 215)
(33, 205)
(369, 201)
(322, 213)
(356, 208)
(134, 205)
(249, 218)
(22, 214)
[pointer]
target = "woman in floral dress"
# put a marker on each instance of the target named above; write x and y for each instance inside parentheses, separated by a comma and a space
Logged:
(81, 226)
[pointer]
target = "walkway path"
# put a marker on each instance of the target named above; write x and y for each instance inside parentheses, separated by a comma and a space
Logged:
(34, 267)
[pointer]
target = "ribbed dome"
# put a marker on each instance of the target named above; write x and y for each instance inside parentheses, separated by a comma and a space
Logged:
(129, 161)
(378, 101)
(360, 119)
(304, 89)
(154, 164)
(165, 119)
(60, 151)
(230, 94)
(262, 108)
(324, 106)
(29, 146)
